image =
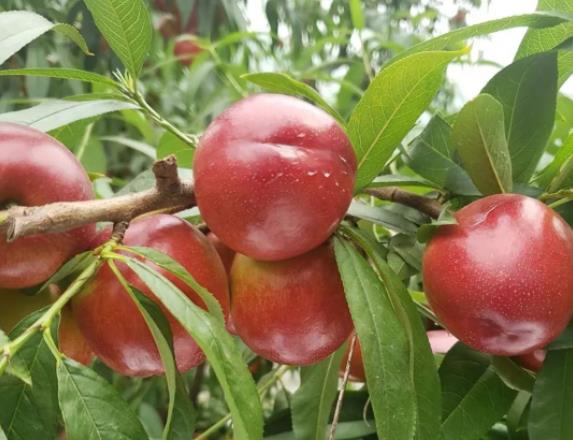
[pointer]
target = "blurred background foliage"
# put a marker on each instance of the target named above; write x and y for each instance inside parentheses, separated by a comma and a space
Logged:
(329, 45)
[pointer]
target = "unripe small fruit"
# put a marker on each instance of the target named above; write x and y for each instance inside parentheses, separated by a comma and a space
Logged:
(274, 175)
(501, 280)
(292, 311)
(111, 323)
(35, 169)
(186, 49)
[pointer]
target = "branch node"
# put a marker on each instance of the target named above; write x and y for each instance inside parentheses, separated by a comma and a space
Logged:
(166, 175)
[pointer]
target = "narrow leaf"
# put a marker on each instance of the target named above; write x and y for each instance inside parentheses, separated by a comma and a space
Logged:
(312, 402)
(63, 73)
(126, 26)
(18, 28)
(529, 109)
(357, 14)
(552, 402)
(384, 343)
(390, 107)
(54, 114)
(422, 369)
(92, 408)
(535, 20)
(219, 347)
(166, 262)
(479, 136)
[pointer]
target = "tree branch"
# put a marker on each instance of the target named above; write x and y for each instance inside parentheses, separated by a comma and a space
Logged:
(424, 204)
(169, 193)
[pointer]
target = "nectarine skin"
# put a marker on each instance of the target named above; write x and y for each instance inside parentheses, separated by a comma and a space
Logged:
(227, 254)
(110, 321)
(36, 169)
(293, 311)
(501, 280)
(71, 341)
(274, 175)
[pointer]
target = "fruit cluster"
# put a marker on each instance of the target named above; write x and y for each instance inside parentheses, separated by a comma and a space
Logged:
(274, 176)
(273, 195)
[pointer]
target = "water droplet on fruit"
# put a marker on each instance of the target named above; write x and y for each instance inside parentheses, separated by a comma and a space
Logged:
(312, 173)
(326, 174)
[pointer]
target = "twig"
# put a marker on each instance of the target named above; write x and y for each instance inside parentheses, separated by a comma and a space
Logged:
(338, 408)
(424, 204)
(169, 194)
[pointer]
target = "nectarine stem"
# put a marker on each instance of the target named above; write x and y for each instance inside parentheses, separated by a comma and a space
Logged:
(424, 204)
(342, 389)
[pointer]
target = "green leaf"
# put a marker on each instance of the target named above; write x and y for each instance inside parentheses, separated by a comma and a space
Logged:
(558, 174)
(169, 264)
(422, 369)
(552, 400)
(62, 73)
(535, 20)
(18, 28)
(431, 155)
(224, 357)
(2, 435)
(426, 231)
(92, 408)
(312, 402)
(3, 338)
(126, 26)
(479, 136)
(541, 40)
(512, 374)
(518, 89)
(393, 102)
(171, 144)
(73, 34)
(74, 265)
(36, 57)
(356, 14)
(474, 398)
(384, 343)
(161, 332)
(283, 83)
(399, 180)
(30, 412)
(382, 215)
(54, 114)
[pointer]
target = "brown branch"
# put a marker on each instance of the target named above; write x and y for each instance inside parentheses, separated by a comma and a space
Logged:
(424, 204)
(169, 194)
